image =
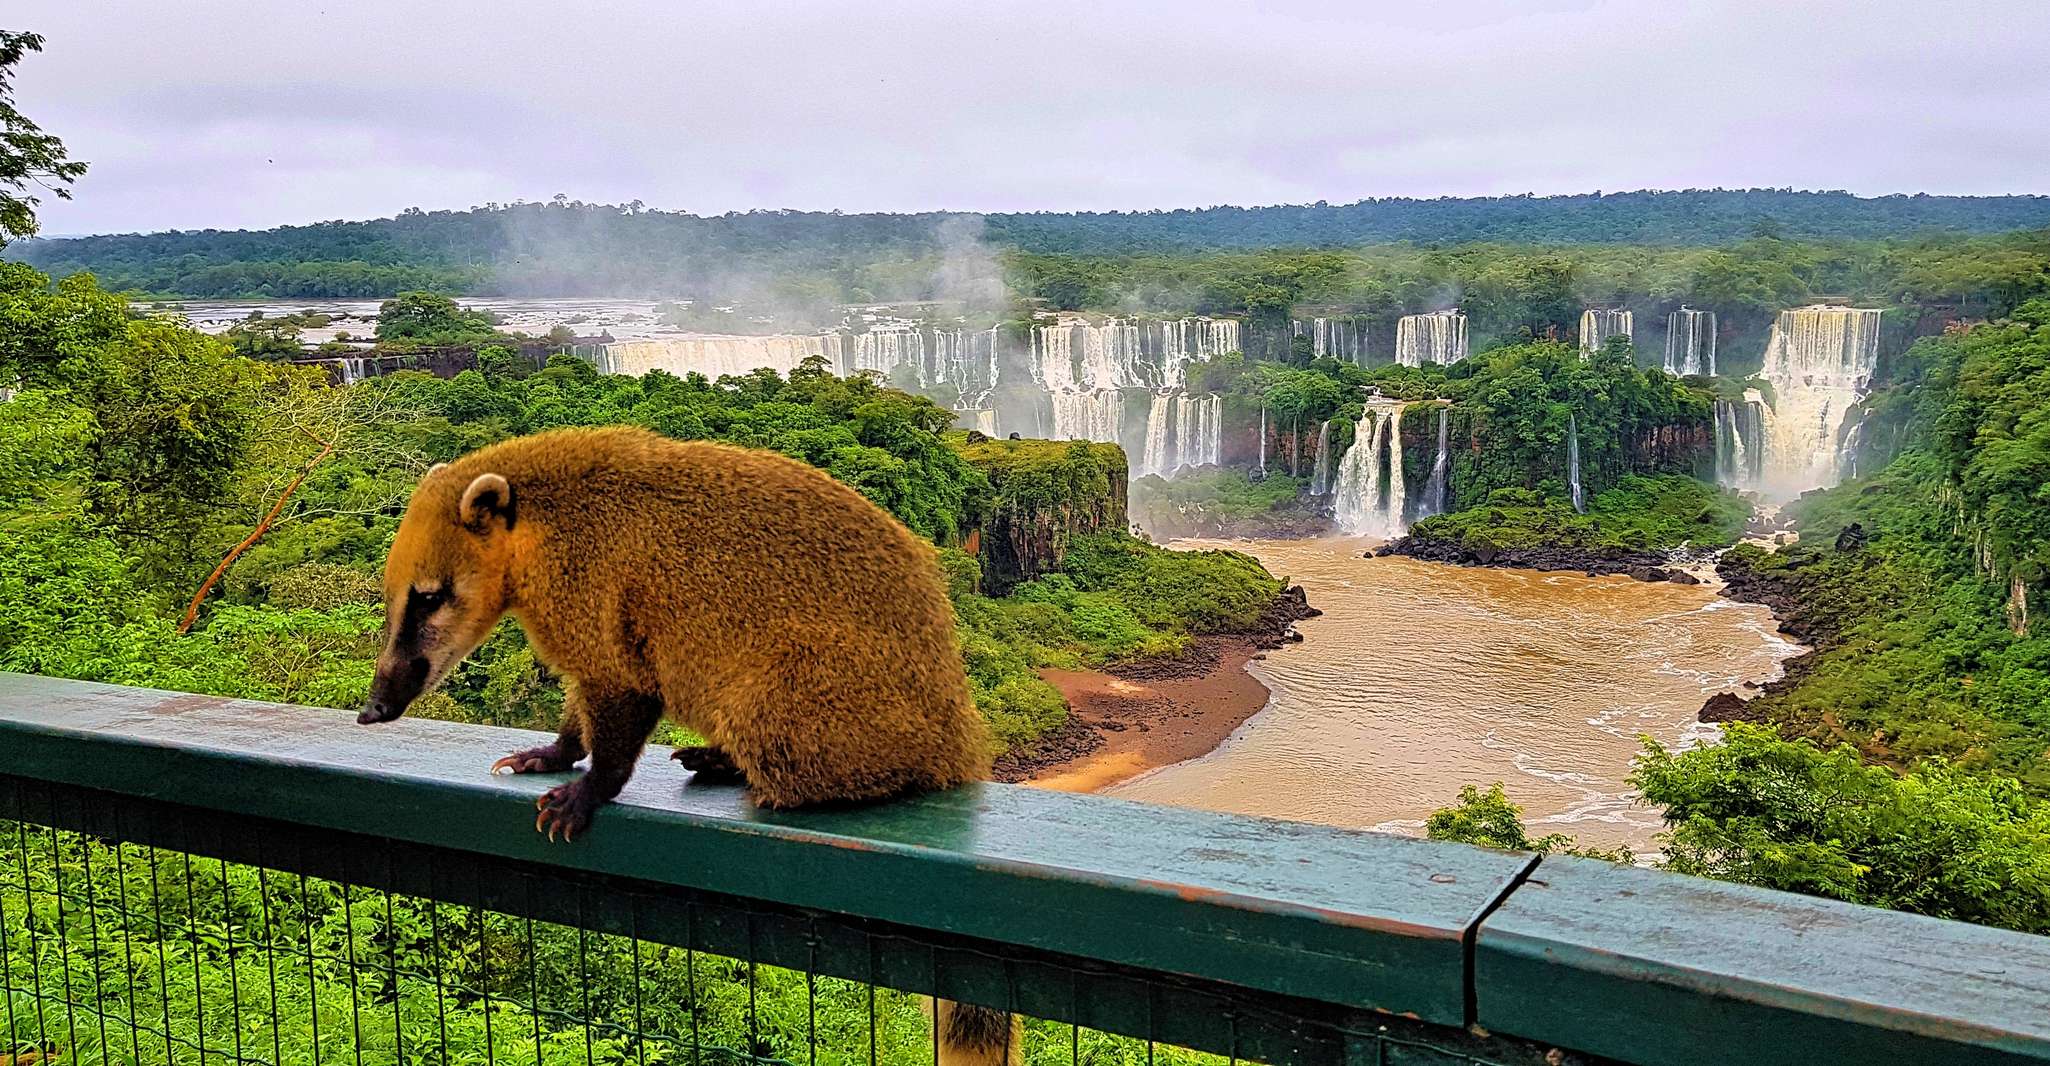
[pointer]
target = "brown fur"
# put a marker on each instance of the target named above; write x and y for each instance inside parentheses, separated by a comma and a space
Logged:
(797, 627)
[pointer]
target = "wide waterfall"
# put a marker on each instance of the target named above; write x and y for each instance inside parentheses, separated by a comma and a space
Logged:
(1075, 354)
(1339, 338)
(1438, 337)
(715, 355)
(965, 360)
(1597, 325)
(1441, 470)
(1579, 495)
(1320, 474)
(1359, 505)
(1097, 415)
(1819, 363)
(1690, 342)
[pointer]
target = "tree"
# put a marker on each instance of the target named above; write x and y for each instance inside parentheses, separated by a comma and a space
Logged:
(431, 318)
(28, 156)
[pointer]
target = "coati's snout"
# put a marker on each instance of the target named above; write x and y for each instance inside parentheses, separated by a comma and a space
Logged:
(444, 589)
(395, 689)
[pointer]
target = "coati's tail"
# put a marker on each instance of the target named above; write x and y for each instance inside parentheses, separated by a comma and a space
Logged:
(976, 1036)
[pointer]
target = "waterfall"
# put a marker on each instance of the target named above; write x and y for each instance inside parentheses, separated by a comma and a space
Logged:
(986, 422)
(1358, 503)
(1338, 338)
(1197, 424)
(1096, 415)
(1573, 463)
(1438, 337)
(1819, 362)
(1690, 342)
(1397, 496)
(1357, 506)
(1263, 438)
(1597, 325)
(1739, 440)
(1441, 469)
(1153, 459)
(1075, 353)
(883, 350)
(1320, 475)
(717, 355)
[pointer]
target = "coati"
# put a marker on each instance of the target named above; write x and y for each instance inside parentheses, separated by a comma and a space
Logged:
(796, 626)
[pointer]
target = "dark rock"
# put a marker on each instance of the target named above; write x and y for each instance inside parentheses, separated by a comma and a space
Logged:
(1729, 707)
(976, 436)
(1682, 577)
(1649, 573)
(1486, 554)
(1851, 539)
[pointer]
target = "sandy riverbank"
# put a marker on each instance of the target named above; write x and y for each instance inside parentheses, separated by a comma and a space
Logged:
(1128, 721)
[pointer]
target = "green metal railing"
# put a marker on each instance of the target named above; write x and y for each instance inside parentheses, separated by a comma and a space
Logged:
(186, 879)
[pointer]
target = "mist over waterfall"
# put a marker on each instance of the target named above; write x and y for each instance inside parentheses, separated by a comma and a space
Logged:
(1819, 363)
(1320, 474)
(1690, 342)
(1597, 325)
(1438, 337)
(1441, 468)
(1359, 504)
(1339, 338)
(1579, 495)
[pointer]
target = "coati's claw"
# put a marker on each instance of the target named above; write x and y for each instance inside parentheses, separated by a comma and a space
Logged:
(546, 759)
(566, 809)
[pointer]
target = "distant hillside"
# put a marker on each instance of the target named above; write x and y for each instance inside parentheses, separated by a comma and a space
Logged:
(574, 248)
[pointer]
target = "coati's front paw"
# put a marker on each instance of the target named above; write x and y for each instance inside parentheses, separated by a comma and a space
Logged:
(566, 809)
(710, 766)
(547, 759)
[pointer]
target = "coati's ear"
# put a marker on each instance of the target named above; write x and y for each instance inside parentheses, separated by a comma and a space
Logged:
(488, 501)
(431, 470)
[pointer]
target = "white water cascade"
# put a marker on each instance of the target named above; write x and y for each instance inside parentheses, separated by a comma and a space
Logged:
(1320, 474)
(1199, 436)
(1076, 353)
(1438, 337)
(1597, 325)
(1097, 415)
(715, 355)
(1339, 338)
(1441, 471)
(1579, 495)
(1690, 342)
(1819, 363)
(1160, 416)
(1359, 505)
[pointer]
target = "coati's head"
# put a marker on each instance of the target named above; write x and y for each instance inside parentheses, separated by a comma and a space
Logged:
(445, 585)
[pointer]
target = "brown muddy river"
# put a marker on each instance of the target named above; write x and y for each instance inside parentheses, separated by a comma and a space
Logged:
(1422, 677)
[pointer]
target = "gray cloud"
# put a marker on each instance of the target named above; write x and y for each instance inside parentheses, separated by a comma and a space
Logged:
(261, 112)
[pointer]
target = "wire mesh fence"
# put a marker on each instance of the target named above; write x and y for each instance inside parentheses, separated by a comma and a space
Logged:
(141, 933)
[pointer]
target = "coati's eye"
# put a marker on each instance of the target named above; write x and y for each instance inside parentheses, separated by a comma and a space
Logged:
(426, 600)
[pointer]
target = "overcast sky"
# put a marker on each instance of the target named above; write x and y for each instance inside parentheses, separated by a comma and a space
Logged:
(199, 113)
